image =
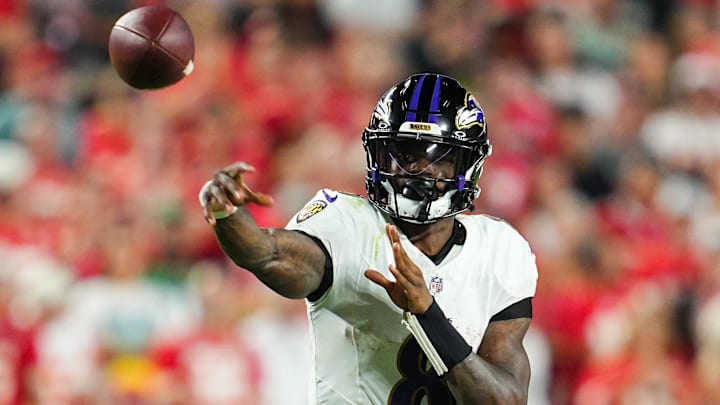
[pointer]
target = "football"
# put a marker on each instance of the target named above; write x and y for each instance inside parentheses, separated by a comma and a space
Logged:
(151, 47)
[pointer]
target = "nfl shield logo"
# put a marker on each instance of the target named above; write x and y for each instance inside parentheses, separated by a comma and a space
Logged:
(436, 285)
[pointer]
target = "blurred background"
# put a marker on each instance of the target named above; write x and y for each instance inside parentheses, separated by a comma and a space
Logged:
(604, 115)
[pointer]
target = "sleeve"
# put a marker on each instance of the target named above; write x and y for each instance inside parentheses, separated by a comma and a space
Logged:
(517, 275)
(322, 220)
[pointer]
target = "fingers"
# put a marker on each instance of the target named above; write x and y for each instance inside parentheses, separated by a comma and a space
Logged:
(401, 257)
(205, 196)
(232, 190)
(227, 190)
(408, 275)
(238, 191)
(377, 278)
(223, 196)
(409, 290)
(212, 198)
(400, 279)
(237, 169)
(255, 197)
(416, 296)
(392, 233)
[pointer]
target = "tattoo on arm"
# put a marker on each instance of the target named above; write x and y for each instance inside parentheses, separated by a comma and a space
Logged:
(288, 262)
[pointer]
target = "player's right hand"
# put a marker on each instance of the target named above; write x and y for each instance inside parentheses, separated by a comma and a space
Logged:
(227, 191)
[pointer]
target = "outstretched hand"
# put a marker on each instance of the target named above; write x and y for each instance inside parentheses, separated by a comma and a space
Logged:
(408, 291)
(227, 191)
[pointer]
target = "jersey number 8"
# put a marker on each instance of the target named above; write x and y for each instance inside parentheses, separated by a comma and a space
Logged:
(419, 384)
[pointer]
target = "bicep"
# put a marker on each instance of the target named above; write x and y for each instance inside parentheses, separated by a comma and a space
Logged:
(297, 265)
(499, 372)
(502, 346)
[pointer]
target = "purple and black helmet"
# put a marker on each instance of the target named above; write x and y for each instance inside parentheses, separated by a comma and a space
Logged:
(428, 118)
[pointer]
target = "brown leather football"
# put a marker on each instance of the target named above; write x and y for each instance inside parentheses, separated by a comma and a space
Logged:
(151, 47)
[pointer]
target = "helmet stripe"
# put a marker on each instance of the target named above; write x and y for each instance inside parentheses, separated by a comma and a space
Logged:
(415, 100)
(430, 111)
(435, 102)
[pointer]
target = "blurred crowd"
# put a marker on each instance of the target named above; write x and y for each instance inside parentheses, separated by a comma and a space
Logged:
(605, 121)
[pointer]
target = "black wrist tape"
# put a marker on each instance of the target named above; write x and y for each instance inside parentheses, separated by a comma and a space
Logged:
(446, 346)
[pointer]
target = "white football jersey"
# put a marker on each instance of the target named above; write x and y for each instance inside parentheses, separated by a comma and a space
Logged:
(362, 354)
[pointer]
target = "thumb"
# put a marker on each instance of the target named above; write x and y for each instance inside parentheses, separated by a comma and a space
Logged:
(261, 199)
(258, 198)
(377, 278)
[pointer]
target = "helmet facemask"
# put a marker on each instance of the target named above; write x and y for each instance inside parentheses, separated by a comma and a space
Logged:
(421, 181)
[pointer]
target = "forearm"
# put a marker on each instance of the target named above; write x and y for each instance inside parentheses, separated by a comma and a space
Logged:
(281, 259)
(244, 242)
(476, 381)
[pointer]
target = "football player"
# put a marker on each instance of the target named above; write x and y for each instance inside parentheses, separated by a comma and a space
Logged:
(410, 299)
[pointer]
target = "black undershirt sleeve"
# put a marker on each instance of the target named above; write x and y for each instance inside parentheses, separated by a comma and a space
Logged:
(520, 309)
(327, 278)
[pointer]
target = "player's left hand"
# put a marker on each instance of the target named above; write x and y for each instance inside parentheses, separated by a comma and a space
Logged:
(408, 291)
